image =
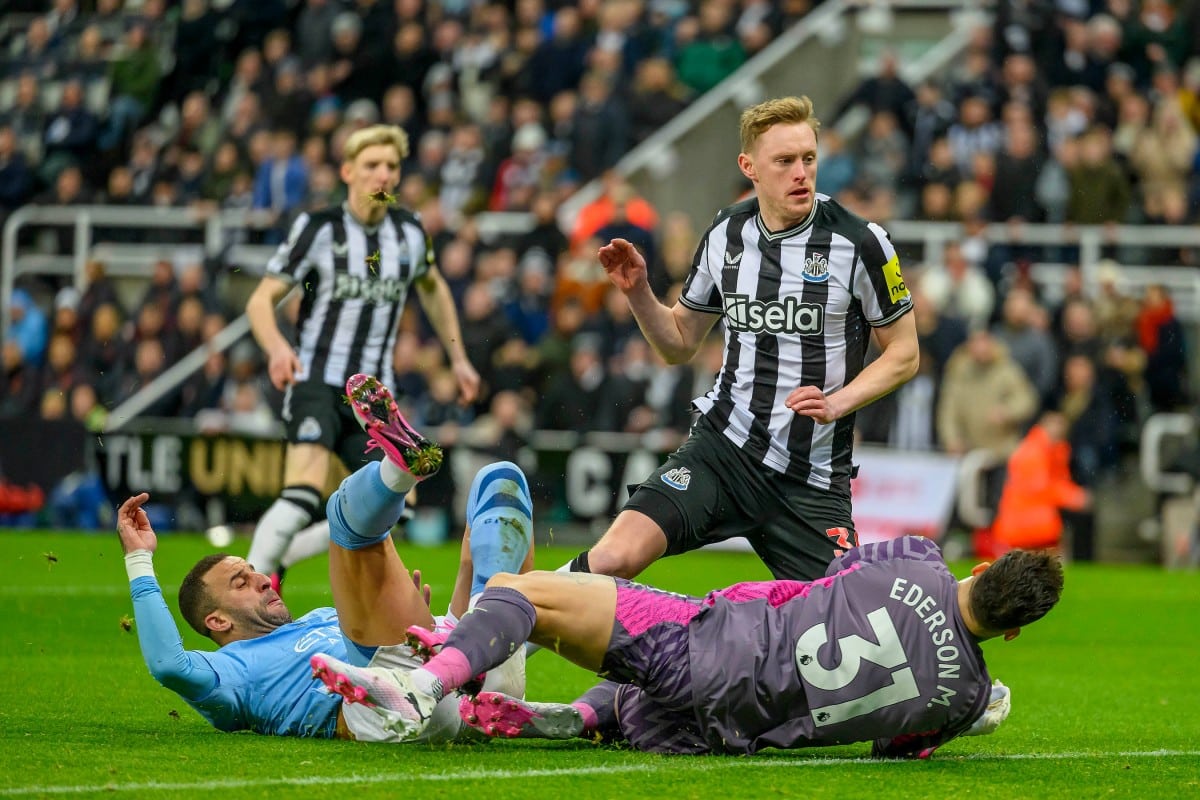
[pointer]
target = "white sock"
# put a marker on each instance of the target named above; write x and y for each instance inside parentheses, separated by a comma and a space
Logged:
(283, 520)
(310, 542)
(395, 478)
(425, 681)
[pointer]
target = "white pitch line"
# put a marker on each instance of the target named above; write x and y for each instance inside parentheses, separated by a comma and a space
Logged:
(699, 764)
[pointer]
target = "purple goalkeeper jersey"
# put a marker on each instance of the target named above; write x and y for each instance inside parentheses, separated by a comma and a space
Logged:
(877, 650)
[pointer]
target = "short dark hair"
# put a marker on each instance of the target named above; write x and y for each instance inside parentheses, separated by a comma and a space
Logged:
(1019, 588)
(195, 600)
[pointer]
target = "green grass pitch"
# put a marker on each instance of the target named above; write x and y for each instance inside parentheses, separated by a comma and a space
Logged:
(1106, 702)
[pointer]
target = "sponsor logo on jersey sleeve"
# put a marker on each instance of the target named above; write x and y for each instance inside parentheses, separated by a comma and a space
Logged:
(897, 291)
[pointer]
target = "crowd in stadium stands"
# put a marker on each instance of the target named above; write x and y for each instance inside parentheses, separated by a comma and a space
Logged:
(1068, 112)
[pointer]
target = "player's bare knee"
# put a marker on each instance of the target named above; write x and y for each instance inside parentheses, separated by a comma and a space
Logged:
(509, 580)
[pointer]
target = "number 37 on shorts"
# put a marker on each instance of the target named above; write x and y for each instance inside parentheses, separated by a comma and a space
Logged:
(841, 537)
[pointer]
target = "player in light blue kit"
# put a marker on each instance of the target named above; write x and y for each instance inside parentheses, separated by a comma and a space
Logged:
(259, 678)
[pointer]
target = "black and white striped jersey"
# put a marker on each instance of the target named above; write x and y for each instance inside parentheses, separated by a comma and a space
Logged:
(352, 302)
(797, 306)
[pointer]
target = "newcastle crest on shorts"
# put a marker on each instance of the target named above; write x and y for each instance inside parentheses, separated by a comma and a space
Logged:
(309, 430)
(816, 268)
(677, 478)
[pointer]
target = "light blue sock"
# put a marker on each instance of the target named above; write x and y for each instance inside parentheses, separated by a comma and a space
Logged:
(363, 509)
(500, 513)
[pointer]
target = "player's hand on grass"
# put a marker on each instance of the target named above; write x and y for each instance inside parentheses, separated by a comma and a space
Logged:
(809, 401)
(282, 366)
(625, 266)
(468, 381)
(133, 526)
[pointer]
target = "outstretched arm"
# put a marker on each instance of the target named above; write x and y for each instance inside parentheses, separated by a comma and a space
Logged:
(674, 333)
(187, 673)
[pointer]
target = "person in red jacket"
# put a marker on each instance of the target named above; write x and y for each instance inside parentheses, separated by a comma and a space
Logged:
(1038, 485)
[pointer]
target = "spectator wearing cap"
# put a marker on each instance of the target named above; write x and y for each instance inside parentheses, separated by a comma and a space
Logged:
(66, 314)
(529, 307)
(519, 176)
(361, 113)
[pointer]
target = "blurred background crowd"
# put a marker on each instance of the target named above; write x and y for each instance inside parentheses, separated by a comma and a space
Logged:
(1069, 111)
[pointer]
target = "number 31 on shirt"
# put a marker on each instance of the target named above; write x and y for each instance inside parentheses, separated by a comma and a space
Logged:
(889, 654)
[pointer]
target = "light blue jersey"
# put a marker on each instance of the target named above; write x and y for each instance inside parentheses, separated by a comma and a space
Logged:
(263, 685)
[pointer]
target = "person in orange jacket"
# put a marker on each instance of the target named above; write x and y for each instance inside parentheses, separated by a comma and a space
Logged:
(1038, 485)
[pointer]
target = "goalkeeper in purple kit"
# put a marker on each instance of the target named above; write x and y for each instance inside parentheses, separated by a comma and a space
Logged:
(885, 648)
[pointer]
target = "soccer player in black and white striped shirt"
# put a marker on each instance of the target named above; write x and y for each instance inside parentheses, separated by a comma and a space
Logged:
(355, 264)
(800, 283)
